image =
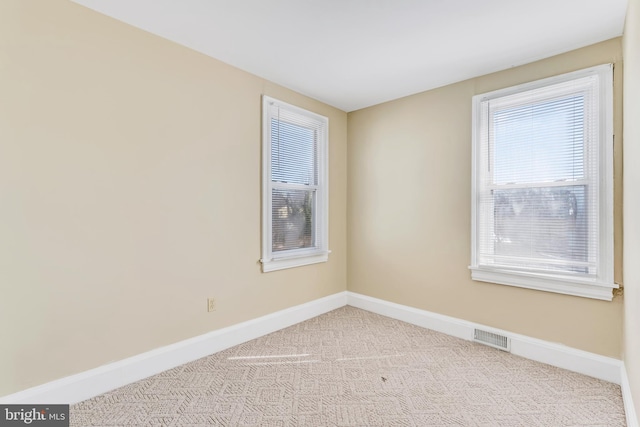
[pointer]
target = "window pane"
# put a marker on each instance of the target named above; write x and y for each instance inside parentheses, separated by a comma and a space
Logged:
(293, 149)
(292, 219)
(540, 142)
(542, 228)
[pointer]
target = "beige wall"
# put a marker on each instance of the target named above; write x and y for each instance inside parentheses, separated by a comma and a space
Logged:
(632, 199)
(130, 192)
(409, 175)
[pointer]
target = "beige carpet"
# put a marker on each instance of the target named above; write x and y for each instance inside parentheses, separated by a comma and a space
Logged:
(350, 367)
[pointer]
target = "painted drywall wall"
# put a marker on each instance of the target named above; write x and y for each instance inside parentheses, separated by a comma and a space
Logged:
(130, 192)
(631, 43)
(409, 175)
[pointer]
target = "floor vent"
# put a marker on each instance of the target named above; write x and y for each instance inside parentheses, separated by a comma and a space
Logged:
(493, 340)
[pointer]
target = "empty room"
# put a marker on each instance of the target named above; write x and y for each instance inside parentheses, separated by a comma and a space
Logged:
(320, 213)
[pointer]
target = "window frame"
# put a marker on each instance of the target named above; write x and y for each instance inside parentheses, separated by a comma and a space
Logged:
(273, 261)
(602, 285)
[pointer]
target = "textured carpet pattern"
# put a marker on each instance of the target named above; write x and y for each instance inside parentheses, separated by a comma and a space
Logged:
(350, 367)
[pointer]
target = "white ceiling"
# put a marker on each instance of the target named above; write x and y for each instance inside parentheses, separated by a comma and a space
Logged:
(355, 53)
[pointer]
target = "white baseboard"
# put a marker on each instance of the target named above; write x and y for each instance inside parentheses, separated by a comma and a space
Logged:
(88, 384)
(629, 408)
(594, 365)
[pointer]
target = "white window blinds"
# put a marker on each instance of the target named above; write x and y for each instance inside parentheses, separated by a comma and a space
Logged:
(540, 187)
(294, 144)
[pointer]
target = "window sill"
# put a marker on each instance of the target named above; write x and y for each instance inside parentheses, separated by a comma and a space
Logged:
(548, 283)
(291, 262)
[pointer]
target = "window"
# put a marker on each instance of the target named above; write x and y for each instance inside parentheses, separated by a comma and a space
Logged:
(542, 196)
(294, 190)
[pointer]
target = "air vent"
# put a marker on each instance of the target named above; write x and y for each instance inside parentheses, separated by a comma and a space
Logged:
(493, 340)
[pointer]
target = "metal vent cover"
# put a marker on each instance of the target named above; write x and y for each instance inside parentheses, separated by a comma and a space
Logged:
(500, 342)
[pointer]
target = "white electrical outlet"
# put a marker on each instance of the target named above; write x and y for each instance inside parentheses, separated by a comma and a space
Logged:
(211, 304)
